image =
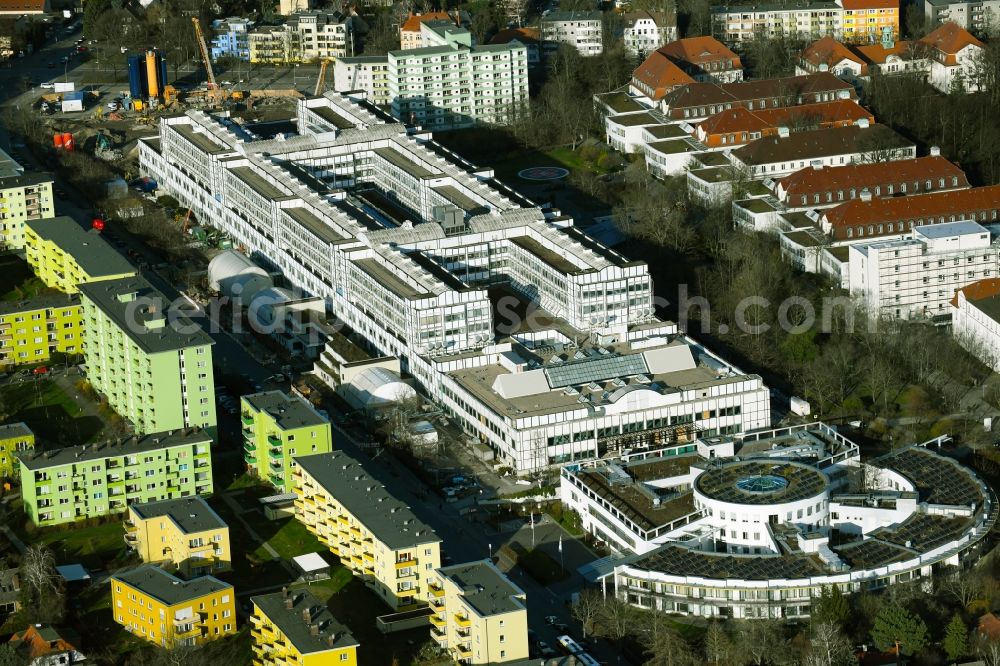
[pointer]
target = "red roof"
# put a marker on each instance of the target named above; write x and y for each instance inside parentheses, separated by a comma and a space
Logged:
(869, 4)
(828, 51)
(739, 119)
(949, 39)
(876, 54)
(523, 35)
(858, 176)
(989, 624)
(657, 75)
(39, 640)
(920, 208)
(413, 23)
(698, 51)
(24, 6)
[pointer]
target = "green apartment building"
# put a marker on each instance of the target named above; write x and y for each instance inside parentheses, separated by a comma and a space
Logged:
(64, 485)
(276, 428)
(154, 366)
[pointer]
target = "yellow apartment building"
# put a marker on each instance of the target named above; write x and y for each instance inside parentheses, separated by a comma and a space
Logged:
(14, 437)
(374, 534)
(64, 255)
(23, 197)
(184, 535)
(294, 628)
(32, 330)
(165, 610)
(479, 614)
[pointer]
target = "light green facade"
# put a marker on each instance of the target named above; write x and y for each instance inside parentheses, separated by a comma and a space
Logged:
(64, 485)
(276, 428)
(154, 368)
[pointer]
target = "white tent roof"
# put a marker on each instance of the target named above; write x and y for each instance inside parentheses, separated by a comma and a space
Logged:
(374, 386)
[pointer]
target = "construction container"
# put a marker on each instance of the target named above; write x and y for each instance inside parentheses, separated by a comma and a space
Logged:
(152, 73)
(58, 140)
(136, 77)
(73, 101)
(68, 141)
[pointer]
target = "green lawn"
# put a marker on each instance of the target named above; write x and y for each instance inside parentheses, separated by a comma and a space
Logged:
(52, 414)
(288, 537)
(94, 547)
(16, 278)
(249, 572)
(340, 578)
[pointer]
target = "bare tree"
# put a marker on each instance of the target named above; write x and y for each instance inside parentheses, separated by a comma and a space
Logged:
(964, 586)
(761, 640)
(587, 609)
(44, 600)
(617, 620)
(828, 646)
(718, 645)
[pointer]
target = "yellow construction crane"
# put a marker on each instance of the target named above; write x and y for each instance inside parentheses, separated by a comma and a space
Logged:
(321, 79)
(204, 52)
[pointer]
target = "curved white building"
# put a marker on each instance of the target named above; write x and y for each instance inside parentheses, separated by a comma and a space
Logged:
(235, 275)
(757, 525)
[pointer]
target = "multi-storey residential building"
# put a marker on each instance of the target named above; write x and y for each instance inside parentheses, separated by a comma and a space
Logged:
(289, 7)
(980, 16)
(479, 614)
(32, 331)
(230, 39)
(305, 36)
(411, 36)
(14, 438)
(163, 609)
(536, 340)
(63, 254)
(817, 187)
(277, 428)
(44, 645)
(366, 73)
(294, 627)
(863, 21)
(63, 485)
(917, 277)
(153, 365)
(975, 320)
(646, 31)
(374, 534)
(704, 59)
(23, 197)
(184, 535)
(786, 153)
(485, 84)
(583, 30)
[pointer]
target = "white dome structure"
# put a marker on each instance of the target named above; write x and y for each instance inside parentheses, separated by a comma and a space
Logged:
(376, 387)
(235, 275)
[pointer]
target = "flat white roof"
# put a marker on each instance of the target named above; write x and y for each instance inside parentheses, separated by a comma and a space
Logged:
(311, 562)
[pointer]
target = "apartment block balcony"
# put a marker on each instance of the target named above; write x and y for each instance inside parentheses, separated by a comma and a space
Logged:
(439, 621)
(440, 636)
(463, 651)
(276, 480)
(246, 419)
(462, 621)
(408, 562)
(275, 454)
(186, 631)
(436, 591)
(274, 441)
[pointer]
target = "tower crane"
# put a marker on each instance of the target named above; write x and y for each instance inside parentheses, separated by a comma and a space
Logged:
(321, 79)
(204, 53)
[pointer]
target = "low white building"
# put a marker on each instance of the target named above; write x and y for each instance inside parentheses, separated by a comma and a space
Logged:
(975, 320)
(582, 30)
(916, 277)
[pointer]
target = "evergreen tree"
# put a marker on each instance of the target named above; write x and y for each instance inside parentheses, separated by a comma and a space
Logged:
(956, 638)
(897, 628)
(832, 607)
